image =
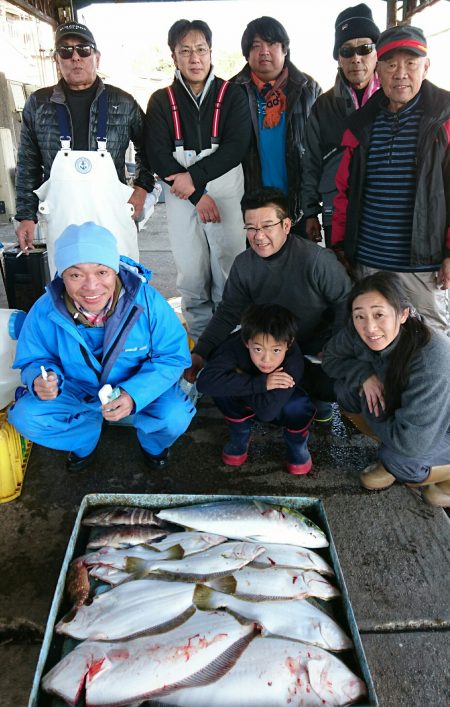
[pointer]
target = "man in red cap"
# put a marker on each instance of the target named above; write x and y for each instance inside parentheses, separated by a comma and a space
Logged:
(392, 210)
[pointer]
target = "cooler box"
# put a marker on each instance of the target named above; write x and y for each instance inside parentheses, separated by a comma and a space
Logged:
(25, 276)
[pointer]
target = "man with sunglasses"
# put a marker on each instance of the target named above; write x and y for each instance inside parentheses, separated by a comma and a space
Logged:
(71, 158)
(392, 210)
(356, 81)
(282, 269)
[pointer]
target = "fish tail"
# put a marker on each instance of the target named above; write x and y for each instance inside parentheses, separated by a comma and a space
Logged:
(226, 584)
(206, 598)
(175, 553)
(136, 566)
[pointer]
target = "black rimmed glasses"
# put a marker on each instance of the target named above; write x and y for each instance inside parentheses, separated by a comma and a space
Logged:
(66, 51)
(251, 231)
(360, 50)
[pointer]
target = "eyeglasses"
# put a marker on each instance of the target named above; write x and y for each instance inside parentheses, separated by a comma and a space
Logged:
(83, 50)
(251, 231)
(186, 53)
(361, 50)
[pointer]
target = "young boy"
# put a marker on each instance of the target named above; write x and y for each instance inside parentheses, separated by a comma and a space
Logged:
(256, 373)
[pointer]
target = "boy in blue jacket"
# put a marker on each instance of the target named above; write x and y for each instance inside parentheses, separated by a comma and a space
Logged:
(255, 374)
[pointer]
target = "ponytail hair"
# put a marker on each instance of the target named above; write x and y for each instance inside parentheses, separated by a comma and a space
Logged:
(414, 333)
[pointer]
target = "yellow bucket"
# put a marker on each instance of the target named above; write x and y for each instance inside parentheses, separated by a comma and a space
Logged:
(14, 454)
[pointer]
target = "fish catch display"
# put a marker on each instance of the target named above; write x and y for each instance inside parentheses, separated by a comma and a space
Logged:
(215, 614)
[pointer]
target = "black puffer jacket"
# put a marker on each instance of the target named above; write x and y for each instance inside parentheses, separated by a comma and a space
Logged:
(40, 140)
(301, 91)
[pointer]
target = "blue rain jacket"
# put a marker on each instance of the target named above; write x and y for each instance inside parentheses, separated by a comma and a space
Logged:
(145, 348)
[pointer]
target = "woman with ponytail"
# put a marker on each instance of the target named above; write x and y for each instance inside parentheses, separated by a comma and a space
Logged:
(392, 380)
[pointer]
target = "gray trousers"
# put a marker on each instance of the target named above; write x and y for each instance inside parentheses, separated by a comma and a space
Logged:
(424, 292)
(405, 469)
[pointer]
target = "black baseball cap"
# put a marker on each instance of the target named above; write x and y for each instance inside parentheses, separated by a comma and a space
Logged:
(74, 29)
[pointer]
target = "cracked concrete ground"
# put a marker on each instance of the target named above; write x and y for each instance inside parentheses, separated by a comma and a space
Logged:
(394, 550)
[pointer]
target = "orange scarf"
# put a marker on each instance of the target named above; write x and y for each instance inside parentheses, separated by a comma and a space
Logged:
(272, 92)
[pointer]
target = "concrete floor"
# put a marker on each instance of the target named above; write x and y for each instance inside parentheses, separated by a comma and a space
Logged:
(394, 550)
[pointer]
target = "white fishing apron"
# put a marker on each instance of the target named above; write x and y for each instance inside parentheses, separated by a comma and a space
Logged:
(84, 186)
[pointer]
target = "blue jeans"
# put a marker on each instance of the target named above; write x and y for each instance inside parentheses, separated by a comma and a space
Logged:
(297, 414)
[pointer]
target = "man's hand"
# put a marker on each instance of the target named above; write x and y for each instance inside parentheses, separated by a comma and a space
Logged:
(197, 363)
(207, 209)
(279, 379)
(183, 186)
(25, 235)
(137, 199)
(313, 229)
(444, 274)
(119, 408)
(46, 389)
(374, 391)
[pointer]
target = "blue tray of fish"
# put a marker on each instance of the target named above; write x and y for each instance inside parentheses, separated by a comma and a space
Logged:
(201, 601)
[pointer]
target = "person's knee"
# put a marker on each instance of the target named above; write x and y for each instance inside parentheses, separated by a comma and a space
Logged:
(29, 415)
(405, 469)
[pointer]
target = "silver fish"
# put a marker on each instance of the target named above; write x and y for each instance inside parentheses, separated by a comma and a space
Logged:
(294, 619)
(118, 515)
(274, 672)
(131, 609)
(110, 575)
(278, 555)
(275, 583)
(218, 561)
(126, 535)
(137, 669)
(190, 543)
(249, 520)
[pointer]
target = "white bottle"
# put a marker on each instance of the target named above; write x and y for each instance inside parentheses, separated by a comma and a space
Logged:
(11, 321)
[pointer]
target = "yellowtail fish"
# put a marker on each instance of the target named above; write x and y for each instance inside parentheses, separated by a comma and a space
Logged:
(298, 620)
(275, 583)
(218, 561)
(118, 515)
(249, 520)
(199, 651)
(131, 609)
(126, 535)
(274, 672)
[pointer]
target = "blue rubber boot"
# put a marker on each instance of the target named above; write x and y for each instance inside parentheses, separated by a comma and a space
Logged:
(298, 458)
(235, 451)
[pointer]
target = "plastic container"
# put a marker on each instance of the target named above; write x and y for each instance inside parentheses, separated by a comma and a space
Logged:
(11, 321)
(14, 454)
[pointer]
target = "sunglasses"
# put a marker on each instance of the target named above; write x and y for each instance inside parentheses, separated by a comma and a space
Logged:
(83, 50)
(361, 50)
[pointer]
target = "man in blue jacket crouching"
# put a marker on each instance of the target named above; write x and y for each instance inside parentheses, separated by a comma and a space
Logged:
(100, 322)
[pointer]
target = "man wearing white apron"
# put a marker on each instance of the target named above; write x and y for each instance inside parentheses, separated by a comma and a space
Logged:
(198, 131)
(72, 151)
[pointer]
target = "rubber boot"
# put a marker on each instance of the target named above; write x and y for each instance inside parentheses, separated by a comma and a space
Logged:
(437, 494)
(376, 478)
(357, 418)
(436, 476)
(298, 459)
(235, 451)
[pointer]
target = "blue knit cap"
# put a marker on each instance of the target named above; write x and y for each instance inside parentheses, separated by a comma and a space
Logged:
(86, 243)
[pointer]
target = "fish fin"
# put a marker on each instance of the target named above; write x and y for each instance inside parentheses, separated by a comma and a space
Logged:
(205, 598)
(226, 584)
(175, 553)
(136, 566)
(67, 618)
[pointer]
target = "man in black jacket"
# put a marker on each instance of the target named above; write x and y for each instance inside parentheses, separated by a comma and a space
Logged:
(198, 131)
(392, 210)
(97, 122)
(280, 98)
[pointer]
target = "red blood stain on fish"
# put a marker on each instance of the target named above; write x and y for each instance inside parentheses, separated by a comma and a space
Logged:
(272, 562)
(95, 668)
(197, 643)
(270, 683)
(294, 579)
